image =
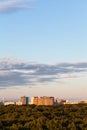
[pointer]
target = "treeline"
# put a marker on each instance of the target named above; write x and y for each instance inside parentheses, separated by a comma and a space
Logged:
(57, 117)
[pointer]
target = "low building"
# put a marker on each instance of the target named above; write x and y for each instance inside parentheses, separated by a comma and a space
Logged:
(1, 103)
(82, 102)
(70, 102)
(19, 103)
(9, 103)
(60, 101)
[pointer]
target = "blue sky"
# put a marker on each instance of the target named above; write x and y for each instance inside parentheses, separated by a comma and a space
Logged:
(45, 32)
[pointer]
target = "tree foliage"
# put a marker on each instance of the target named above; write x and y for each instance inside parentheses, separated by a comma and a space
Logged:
(56, 117)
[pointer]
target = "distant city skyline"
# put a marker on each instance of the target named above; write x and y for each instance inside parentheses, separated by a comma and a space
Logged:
(43, 48)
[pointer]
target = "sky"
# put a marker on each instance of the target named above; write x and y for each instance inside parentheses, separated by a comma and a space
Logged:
(43, 48)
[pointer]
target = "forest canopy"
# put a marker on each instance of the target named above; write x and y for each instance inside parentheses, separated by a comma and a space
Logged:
(56, 117)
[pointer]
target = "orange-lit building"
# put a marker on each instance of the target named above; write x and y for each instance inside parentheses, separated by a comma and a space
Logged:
(35, 100)
(60, 101)
(43, 100)
(23, 100)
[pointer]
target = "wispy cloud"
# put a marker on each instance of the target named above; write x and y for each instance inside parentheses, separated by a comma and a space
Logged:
(14, 73)
(14, 5)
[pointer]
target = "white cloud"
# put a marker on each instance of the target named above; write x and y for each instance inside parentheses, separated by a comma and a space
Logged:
(14, 73)
(12, 5)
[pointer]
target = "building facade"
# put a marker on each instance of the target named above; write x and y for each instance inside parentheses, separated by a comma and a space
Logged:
(60, 101)
(23, 100)
(43, 100)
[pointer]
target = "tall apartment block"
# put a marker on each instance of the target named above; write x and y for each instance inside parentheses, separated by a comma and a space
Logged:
(43, 100)
(23, 100)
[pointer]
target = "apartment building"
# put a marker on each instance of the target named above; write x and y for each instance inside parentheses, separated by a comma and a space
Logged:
(43, 100)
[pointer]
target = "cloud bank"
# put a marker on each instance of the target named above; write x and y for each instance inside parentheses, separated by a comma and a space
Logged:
(14, 73)
(14, 5)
